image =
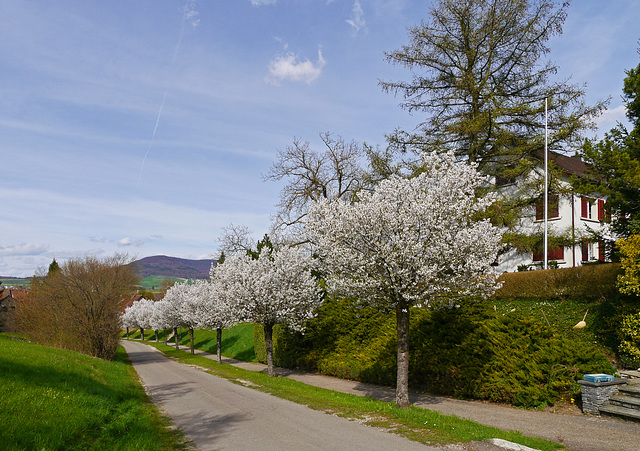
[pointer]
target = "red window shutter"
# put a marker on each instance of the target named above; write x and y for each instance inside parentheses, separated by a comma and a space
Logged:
(600, 210)
(584, 210)
(556, 254)
(601, 251)
(539, 209)
(585, 251)
(552, 254)
(537, 256)
(554, 202)
(553, 207)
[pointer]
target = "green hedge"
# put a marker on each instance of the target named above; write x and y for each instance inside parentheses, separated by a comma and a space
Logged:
(614, 318)
(505, 358)
(595, 281)
(469, 352)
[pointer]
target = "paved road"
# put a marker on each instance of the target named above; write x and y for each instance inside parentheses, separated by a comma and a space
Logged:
(575, 431)
(218, 415)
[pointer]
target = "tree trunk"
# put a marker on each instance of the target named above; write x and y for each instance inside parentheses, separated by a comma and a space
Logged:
(157, 339)
(142, 334)
(127, 333)
(219, 343)
(165, 337)
(402, 382)
(268, 341)
(175, 335)
(191, 338)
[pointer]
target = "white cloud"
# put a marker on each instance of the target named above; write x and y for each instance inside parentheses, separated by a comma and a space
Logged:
(24, 249)
(125, 242)
(190, 14)
(357, 18)
(128, 241)
(613, 116)
(263, 2)
(287, 67)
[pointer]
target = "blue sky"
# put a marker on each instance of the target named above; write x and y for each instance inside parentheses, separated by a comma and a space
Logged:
(145, 126)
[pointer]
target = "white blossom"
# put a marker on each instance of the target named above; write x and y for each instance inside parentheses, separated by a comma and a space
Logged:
(412, 239)
(277, 288)
(138, 314)
(128, 319)
(218, 310)
(409, 242)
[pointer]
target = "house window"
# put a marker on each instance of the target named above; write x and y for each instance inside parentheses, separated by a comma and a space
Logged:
(600, 210)
(601, 251)
(585, 207)
(552, 254)
(585, 251)
(554, 211)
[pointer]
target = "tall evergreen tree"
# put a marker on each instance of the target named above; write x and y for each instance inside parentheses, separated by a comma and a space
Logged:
(53, 267)
(479, 75)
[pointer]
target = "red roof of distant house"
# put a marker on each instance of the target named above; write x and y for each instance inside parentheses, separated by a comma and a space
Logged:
(12, 293)
(134, 298)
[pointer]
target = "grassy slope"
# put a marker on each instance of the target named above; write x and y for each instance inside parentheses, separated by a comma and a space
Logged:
(155, 282)
(237, 342)
(57, 399)
(15, 282)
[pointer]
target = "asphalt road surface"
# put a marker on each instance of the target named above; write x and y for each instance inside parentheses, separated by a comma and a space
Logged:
(218, 414)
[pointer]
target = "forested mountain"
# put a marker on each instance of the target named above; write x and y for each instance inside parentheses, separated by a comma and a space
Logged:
(162, 265)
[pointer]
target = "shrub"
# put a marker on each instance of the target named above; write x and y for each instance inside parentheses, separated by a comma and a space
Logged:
(583, 282)
(629, 349)
(529, 364)
(78, 305)
(469, 352)
(629, 282)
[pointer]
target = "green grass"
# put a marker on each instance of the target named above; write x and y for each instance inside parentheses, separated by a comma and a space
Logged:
(54, 399)
(416, 423)
(155, 282)
(237, 342)
(15, 282)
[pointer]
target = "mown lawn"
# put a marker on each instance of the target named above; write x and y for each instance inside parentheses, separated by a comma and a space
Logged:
(237, 342)
(54, 399)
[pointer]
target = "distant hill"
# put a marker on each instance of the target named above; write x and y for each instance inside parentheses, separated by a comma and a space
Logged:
(161, 265)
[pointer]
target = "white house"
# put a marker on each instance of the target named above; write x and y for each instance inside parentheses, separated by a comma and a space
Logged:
(575, 218)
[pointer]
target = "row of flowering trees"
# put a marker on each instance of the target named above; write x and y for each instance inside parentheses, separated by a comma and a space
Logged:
(277, 287)
(408, 242)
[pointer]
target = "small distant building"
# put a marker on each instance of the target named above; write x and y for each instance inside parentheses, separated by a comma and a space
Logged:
(134, 298)
(8, 297)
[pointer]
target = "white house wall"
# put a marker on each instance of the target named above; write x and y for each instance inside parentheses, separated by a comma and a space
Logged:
(569, 217)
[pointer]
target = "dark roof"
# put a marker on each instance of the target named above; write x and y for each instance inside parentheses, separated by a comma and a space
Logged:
(569, 165)
(572, 165)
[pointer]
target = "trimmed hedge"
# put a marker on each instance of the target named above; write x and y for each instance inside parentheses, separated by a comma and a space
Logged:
(595, 281)
(469, 352)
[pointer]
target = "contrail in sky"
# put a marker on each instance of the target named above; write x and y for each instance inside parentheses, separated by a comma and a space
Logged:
(188, 13)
